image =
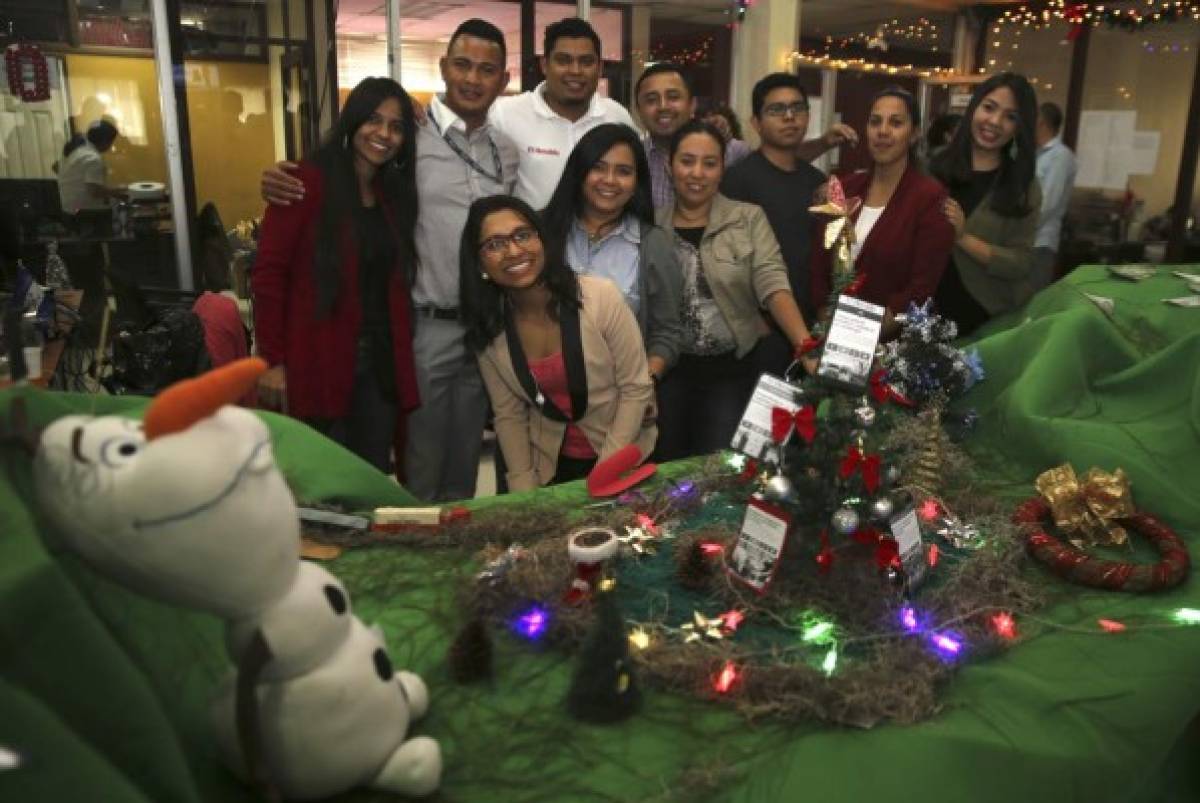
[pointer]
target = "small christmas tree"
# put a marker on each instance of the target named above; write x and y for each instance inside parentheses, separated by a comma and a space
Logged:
(470, 655)
(604, 688)
(696, 569)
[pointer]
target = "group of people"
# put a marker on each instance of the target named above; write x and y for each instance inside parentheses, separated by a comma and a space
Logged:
(597, 287)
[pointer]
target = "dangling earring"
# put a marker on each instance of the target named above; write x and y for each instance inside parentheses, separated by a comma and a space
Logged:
(484, 276)
(1012, 149)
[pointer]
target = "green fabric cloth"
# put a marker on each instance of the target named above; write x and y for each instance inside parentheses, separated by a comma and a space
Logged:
(105, 692)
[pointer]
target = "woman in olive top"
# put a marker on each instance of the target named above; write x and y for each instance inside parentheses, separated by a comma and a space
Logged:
(994, 203)
(561, 355)
(733, 276)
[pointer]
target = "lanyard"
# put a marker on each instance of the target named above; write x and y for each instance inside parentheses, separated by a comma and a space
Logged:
(572, 351)
(466, 157)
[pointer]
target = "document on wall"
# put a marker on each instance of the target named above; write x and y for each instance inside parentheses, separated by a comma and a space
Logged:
(1111, 149)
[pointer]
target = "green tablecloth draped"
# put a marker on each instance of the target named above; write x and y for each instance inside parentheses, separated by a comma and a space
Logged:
(104, 692)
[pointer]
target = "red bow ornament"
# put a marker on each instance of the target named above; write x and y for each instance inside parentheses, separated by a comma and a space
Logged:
(804, 420)
(869, 465)
(883, 392)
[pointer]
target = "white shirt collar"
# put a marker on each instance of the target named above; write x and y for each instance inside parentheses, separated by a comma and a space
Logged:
(1053, 143)
(445, 116)
(543, 108)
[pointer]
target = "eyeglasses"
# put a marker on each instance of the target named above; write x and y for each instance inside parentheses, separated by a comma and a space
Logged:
(780, 109)
(497, 245)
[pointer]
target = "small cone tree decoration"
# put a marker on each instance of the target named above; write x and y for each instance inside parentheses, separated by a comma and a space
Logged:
(470, 655)
(696, 569)
(604, 688)
(926, 471)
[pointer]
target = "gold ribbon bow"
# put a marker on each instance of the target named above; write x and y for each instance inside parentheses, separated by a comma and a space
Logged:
(1087, 510)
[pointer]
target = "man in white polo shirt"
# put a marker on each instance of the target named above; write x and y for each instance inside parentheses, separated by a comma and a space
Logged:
(546, 123)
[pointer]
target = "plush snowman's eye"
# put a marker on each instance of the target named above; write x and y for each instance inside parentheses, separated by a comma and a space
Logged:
(116, 452)
(337, 599)
(383, 665)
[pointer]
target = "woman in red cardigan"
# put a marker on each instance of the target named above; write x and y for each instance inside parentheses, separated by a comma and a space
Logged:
(902, 238)
(331, 281)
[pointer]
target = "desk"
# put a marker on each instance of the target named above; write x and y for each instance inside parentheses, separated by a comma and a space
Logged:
(107, 691)
(52, 351)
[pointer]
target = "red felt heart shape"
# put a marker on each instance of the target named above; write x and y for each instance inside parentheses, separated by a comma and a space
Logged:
(619, 472)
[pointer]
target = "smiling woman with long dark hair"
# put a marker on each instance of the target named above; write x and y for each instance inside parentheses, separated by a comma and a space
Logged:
(561, 355)
(332, 277)
(601, 219)
(994, 202)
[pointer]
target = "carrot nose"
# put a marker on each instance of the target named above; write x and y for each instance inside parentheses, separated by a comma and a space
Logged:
(191, 400)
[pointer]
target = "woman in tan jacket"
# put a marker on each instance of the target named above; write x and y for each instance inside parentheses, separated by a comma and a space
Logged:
(733, 276)
(561, 355)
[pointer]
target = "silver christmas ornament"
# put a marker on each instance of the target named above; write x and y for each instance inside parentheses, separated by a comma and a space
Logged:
(864, 416)
(779, 489)
(845, 520)
(891, 476)
(958, 533)
(882, 508)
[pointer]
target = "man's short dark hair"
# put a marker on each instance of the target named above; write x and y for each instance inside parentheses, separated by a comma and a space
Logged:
(102, 133)
(570, 28)
(1052, 115)
(659, 68)
(768, 84)
(481, 29)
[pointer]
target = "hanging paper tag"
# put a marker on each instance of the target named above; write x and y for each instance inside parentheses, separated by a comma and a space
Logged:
(906, 529)
(756, 554)
(850, 344)
(753, 435)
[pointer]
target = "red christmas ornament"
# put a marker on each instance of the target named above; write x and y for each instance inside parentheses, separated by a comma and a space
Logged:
(825, 556)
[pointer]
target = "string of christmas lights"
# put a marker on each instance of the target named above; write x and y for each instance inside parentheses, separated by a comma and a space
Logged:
(919, 30)
(828, 62)
(1042, 13)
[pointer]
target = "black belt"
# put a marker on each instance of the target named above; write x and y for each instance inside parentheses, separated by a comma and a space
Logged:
(438, 313)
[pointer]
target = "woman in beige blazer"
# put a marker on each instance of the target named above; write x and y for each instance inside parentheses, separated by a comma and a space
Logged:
(561, 355)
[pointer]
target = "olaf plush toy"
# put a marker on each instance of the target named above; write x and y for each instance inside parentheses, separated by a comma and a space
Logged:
(189, 507)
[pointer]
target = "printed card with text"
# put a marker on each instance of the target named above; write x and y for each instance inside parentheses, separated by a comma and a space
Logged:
(906, 529)
(850, 344)
(753, 435)
(760, 544)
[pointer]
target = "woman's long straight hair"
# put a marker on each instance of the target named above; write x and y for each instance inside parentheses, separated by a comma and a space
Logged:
(952, 164)
(342, 204)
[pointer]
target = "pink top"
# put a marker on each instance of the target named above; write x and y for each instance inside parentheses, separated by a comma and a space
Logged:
(550, 374)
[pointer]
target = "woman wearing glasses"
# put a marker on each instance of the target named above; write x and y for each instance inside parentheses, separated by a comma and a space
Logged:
(733, 276)
(561, 355)
(902, 239)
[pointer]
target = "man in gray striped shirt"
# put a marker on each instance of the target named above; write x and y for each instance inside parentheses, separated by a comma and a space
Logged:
(460, 158)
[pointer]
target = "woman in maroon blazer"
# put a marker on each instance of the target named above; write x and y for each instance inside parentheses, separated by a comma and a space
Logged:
(332, 276)
(903, 240)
